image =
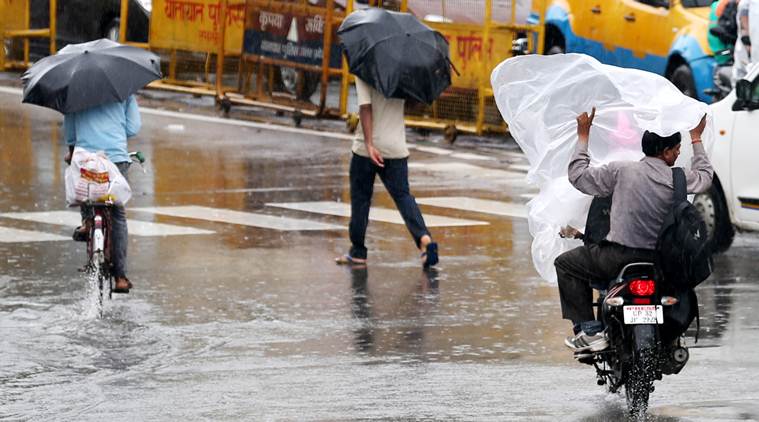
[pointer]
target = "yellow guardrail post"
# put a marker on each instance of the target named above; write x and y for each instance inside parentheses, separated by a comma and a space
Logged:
(27, 20)
(483, 79)
(123, 20)
(52, 25)
(540, 48)
(345, 81)
(220, 52)
(327, 54)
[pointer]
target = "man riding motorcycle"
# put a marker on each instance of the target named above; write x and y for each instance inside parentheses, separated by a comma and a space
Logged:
(642, 195)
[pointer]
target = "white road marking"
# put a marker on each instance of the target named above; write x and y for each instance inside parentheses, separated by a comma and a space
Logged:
(520, 167)
(135, 227)
(469, 156)
(385, 215)
(8, 235)
(432, 150)
(464, 170)
(452, 153)
(485, 206)
(242, 218)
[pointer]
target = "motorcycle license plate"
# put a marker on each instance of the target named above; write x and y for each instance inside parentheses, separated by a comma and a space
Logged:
(643, 314)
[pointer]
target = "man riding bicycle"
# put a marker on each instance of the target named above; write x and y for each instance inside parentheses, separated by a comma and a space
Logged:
(106, 128)
(642, 196)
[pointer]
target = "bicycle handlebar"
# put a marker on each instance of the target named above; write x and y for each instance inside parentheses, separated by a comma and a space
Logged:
(138, 155)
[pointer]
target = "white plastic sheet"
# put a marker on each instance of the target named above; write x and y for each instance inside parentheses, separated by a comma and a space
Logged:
(93, 177)
(541, 96)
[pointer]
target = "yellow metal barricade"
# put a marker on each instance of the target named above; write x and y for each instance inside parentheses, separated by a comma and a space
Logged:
(478, 42)
(200, 41)
(291, 56)
(15, 25)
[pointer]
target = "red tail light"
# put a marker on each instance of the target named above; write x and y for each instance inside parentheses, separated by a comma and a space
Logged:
(642, 287)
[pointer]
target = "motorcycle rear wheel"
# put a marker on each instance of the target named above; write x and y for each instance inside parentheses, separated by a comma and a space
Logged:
(641, 372)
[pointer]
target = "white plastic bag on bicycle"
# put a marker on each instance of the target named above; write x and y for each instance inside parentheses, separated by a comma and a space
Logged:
(93, 177)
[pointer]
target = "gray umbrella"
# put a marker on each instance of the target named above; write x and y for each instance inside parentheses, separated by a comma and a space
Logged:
(86, 75)
(396, 53)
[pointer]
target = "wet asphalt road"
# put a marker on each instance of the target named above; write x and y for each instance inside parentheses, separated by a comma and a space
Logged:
(238, 322)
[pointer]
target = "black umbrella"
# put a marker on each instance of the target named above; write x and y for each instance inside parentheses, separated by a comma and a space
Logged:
(86, 75)
(396, 53)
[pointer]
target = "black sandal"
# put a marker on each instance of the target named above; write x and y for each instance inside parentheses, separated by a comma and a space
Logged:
(81, 236)
(129, 286)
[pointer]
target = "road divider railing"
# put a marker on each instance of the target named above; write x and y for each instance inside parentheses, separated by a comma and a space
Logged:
(481, 34)
(16, 33)
(285, 54)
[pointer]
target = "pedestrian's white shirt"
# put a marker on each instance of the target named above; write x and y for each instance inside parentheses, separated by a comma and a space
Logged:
(388, 127)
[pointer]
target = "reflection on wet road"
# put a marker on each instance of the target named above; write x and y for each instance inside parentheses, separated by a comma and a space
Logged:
(238, 312)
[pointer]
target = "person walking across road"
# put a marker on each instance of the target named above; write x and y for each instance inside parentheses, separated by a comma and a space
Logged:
(383, 152)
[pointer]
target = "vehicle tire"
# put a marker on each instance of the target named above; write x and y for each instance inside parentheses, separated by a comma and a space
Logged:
(296, 82)
(641, 371)
(682, 78)
(111, 30)
(450, 133)
(713, 209)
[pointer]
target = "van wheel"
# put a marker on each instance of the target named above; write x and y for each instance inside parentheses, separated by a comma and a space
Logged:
(682, 78)
(713, 209)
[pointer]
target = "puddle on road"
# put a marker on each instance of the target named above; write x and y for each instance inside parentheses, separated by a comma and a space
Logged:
(250, 323)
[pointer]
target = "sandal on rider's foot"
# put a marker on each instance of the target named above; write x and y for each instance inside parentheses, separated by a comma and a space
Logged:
(81, 234)
(122, 289)
(430, 256)
(349, 260)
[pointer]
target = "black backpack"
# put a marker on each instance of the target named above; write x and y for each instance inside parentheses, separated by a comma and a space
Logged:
(683, 253)
(598, 224)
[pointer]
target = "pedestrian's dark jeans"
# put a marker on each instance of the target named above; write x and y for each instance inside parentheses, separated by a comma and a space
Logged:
(395, 178)
(118, 230)
(590, 264)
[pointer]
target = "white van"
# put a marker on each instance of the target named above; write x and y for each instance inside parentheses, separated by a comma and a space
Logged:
(733, 200)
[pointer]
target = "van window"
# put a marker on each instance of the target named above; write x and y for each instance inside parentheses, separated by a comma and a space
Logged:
(697, 3)
(656, 3)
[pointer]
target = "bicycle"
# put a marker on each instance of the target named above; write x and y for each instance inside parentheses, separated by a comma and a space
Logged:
(99, 262)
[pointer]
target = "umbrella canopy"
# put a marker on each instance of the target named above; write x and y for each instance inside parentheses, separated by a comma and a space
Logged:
(396, 53)
(86, 75)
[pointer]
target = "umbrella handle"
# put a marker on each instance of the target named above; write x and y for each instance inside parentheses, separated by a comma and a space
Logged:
(453, 66)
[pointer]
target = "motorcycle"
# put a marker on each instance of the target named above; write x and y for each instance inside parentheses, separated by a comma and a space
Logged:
(642, 347)
(644, 320)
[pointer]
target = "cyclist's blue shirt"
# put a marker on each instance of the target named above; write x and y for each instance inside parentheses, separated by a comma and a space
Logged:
(104, 128)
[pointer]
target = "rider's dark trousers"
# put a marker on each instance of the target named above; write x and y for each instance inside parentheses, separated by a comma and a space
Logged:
(594, 263)
(118, 231)
(395, 178)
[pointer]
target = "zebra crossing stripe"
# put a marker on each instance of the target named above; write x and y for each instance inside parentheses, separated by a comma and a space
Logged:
(485, 206)
(8, 235)
(241, 218)
(470, 156)
(467, 171)
(135, 227)
(385, 215)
